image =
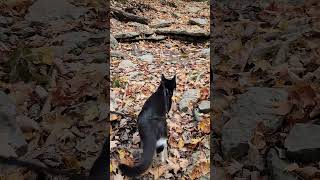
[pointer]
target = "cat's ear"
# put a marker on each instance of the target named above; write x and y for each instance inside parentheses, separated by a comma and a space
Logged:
(163, 78)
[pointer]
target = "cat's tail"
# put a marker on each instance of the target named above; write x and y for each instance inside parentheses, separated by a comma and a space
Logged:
(149, 147)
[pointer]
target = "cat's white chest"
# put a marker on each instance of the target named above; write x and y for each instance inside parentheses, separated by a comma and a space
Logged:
(162, 142)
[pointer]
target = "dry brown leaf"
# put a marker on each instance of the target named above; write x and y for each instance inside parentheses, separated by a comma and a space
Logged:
(201, 169)
(283, 108)
(309, 172)
(204, 125)
(157, 172)
(234, 167)
(180, 143)
(114, 117)
(291, 167)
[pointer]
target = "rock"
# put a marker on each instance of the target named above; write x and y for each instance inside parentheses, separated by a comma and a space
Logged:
(205, 53)
(191, 33)
(204, 106)
(147, 58)
(198, 21)
(303, 143)
(113, 42)
(27, 124)
(47, 10)
(74, 40)
(250, 108)
(126, 64)
(126, 35)
(41, 92)
(8, 125)
(193, 9)
(5, 21)
(34, 110)
(278, 167)
(250, 29)
(162, 24)
(176, 15)
(117, 54)
(188, 97)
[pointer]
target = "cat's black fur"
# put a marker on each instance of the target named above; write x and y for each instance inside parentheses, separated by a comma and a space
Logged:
(152, 125)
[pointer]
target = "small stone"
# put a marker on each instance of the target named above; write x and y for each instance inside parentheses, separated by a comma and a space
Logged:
(125, 64)
(205, 53)
(5, 21)
(41, 92)
(176, 15)
(198, 21)
(34, 110)
(204, 106)
(147, 58)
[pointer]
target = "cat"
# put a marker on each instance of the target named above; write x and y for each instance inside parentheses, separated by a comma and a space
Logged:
(152, 127)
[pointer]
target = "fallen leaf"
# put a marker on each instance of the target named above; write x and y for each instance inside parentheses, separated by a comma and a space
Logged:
(201, 169)
(180, 143)
(114, 117)
(121, 153)
(291, 167)
(158, 171)
(204, 125)
(234, 167)
(283, 108)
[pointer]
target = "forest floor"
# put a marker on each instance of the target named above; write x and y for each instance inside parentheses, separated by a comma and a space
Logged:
(266, 93)
(136, 69)
(53, 84)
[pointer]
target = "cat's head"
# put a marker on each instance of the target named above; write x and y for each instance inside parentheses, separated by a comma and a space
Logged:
(170, 84)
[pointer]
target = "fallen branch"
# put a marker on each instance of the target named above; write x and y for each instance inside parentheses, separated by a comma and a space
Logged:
(125, 16)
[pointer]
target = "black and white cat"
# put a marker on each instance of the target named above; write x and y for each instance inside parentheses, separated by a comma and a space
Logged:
(152, 127)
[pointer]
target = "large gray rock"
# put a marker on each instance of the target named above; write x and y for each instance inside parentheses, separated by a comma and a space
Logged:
(73, 40)
(8, 126)
(126, 64)
(303, 143)
(278, 167)
(250, 108)
(48, 10)
(188, 97)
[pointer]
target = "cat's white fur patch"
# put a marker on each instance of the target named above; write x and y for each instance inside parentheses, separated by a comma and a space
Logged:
(162, 142)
